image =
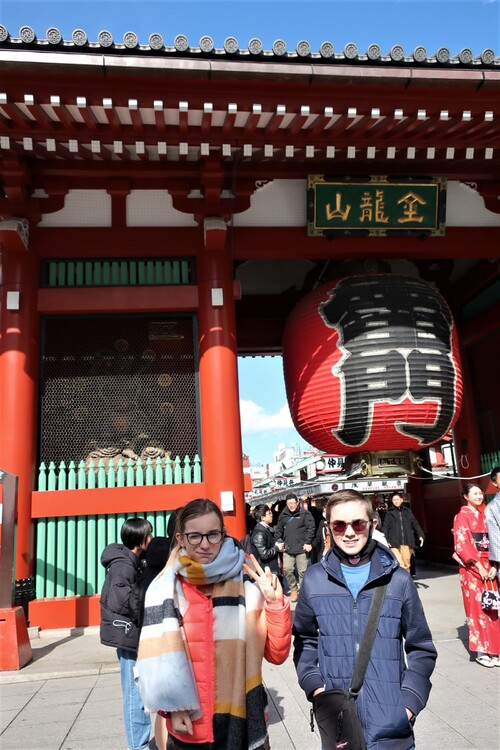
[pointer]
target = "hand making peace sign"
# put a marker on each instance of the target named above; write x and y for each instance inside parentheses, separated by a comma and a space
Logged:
(267, 582)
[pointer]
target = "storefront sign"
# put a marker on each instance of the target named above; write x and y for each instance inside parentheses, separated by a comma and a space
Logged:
(277, 482)
(333, 464)
(373, 485)
(375, 206)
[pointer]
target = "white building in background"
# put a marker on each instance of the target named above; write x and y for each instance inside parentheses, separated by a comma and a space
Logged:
(285, 457)
(258, 472)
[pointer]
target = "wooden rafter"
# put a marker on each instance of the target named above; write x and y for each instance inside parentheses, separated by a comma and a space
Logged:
(252, 121)
(428, 130)
(183, 119)
(321, 122)
(63, 115)
(275, 121)
(229, 120)
(136, 117)
(206, 120)
(18, 117)
(113, 120)
(362, 125)
(40, 115)
(296, 125)
(337, 127)
(89, 119)
(160, 120)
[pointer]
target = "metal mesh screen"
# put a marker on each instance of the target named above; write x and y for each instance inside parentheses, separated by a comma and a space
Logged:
(118, 387)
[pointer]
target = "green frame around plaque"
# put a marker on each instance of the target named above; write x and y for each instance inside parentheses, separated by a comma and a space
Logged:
(376, 206)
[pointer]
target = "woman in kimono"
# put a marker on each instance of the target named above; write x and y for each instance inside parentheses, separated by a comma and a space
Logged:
(471, 552)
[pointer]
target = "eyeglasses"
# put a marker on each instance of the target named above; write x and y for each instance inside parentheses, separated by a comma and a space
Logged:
(340, 527)
(195, 538)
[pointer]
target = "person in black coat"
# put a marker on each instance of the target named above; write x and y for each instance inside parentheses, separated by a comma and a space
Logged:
(402, 530)
(156, 557)
(321, 541)
(121, 602)
(249, 518)
(265, 549)
(296, 528)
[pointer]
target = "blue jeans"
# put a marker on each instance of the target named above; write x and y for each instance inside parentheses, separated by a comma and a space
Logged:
(137, 721)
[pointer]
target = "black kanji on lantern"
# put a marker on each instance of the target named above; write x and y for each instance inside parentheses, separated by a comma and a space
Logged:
(396, 335)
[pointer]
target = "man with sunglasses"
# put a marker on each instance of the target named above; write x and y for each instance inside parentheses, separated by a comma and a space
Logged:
(330, 617)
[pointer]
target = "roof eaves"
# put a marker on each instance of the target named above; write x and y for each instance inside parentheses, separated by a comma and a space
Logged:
(86, 60)
(279, 53)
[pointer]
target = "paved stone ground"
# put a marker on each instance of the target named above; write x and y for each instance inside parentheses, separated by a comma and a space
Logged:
(68, 697)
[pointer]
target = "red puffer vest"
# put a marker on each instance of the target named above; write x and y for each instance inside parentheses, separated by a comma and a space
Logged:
(276, 628)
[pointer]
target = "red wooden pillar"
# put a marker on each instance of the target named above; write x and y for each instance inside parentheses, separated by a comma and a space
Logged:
(466, 437)
(219, 396)
(18, 383)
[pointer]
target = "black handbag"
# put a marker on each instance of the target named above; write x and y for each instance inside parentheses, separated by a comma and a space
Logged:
(335, 710)
(490, 598)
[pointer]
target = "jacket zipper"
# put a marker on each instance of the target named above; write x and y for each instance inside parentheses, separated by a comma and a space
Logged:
(358, 637)
(210, 669)
(356, 623)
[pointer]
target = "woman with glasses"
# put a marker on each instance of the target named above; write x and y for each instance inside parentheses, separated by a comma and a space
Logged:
(266, 550)
(207, 627)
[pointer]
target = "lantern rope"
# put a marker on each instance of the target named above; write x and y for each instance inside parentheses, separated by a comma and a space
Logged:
(446, 476)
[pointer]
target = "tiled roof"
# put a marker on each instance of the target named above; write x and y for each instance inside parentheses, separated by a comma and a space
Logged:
(205, 48)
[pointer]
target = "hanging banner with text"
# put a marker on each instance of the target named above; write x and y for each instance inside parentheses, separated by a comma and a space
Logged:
(375, 206)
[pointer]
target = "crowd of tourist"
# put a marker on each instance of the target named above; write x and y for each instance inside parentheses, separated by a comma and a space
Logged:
(193, 614)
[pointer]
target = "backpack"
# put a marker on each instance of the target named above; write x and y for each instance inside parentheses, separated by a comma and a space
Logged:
(246, 544)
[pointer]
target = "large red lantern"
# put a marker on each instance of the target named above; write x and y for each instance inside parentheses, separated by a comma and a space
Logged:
(371, 363)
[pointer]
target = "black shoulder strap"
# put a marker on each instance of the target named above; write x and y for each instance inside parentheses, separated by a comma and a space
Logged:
(366, 645)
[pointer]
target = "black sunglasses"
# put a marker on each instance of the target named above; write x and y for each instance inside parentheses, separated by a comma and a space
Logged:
(340, 527)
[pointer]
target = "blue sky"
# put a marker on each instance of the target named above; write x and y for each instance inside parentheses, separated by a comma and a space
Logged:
(265, 416)
(430, 23)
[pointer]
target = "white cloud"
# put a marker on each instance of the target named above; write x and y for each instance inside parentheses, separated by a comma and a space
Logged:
(254, 418)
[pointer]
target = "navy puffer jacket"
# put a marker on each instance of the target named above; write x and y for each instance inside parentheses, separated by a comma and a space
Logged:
(326, 607)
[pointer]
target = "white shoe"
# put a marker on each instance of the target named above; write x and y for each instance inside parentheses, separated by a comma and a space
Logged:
(485, 660)
(495, 660)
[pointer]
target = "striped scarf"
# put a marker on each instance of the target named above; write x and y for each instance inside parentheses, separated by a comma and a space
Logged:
(166, 676)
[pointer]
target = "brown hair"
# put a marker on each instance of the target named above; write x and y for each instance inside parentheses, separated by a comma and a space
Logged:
(195, 508)
(346, 496)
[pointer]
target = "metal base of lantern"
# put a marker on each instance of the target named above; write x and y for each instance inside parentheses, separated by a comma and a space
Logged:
(380, 463)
